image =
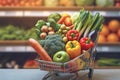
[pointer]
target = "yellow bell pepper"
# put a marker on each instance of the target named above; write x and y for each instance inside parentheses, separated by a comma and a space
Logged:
(73, 48)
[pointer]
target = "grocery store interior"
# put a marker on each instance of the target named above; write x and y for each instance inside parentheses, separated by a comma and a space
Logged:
(17, 24)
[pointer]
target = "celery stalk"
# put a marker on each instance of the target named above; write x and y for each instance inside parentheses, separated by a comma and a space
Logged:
(85, 25)
(82, 19)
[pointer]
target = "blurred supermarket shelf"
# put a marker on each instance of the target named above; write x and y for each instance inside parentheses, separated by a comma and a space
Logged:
(15, 46)
(108, 47)
(45, 11)
(16, 49)
(22, 46)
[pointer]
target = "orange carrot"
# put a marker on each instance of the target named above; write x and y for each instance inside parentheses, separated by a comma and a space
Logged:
(39, 49)
(61, 20)
(71, 27)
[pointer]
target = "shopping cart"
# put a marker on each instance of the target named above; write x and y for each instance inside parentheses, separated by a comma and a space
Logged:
(83, 62)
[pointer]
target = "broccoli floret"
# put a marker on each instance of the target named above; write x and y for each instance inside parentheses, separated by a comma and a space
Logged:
(49, 37)
(52, 44)
(42, 42)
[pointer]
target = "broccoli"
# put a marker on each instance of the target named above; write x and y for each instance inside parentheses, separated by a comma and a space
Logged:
(52, 44)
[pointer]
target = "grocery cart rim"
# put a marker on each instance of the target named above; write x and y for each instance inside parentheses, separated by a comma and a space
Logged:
(83, 53)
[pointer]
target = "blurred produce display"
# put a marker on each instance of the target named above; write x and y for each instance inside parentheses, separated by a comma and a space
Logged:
(104, 3)
(117, 3)
(11, 32)
(108, 62)
(110, 32)
(53, 3)
(84, 2)
(30, 64)
(12, 64)
(21, 2)
(69, 2)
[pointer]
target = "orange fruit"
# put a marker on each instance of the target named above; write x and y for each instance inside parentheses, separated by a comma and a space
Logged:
(113, 37)
(101, 38)
(105, 30)
(114, 25)
(118, 32)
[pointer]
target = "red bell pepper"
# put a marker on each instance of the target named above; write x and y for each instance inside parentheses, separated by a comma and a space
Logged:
(72, 35)
(86, 43)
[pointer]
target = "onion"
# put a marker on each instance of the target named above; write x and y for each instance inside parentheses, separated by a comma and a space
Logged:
(51, 32)
(50, 29)
(44, 28)
(43, 35)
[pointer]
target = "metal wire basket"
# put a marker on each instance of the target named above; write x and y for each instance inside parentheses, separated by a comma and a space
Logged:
(79, 63)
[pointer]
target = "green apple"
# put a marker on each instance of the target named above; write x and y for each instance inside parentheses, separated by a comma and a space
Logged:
(61, 56)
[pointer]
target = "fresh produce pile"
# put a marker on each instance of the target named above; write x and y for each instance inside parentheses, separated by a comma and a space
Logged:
(64, 37)
(12, 32)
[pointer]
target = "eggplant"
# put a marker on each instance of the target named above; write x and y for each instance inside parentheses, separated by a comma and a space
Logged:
(93, 35)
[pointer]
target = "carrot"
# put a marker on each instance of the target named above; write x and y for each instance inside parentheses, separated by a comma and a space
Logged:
(61, 20)
(39, 49)
(71, 27)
